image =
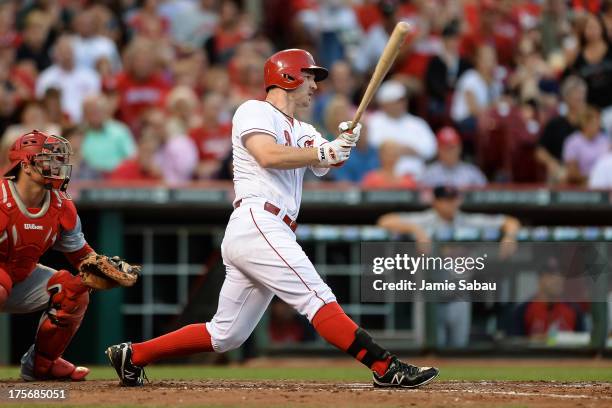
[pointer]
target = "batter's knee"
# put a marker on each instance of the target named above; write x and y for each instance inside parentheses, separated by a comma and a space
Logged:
(223, 341)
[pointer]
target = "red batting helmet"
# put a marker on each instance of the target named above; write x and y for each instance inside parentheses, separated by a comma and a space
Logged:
(284, 69)
(49, 154)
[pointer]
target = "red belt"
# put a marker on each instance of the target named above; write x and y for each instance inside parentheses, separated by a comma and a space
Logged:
(271, 208)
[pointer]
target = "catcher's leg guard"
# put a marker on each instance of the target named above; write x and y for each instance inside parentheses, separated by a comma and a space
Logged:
(67, 305)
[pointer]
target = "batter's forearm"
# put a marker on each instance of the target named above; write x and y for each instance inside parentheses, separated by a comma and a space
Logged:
(287, 157)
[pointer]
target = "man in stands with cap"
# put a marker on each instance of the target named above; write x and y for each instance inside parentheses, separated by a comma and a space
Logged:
(454, 318)
(416, 141)
(449, 169)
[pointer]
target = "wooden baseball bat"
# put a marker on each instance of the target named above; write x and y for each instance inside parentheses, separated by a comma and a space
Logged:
(382, 67)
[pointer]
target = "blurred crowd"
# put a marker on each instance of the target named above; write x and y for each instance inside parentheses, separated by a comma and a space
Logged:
(483, 91)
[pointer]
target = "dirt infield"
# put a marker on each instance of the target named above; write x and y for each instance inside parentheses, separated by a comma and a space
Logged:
(458, 386)
(327, 394)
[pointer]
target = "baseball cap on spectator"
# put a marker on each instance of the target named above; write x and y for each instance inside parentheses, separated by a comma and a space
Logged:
(445, 192)
(447, 137)
(390, 91)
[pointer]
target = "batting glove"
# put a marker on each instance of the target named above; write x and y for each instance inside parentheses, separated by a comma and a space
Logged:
(333, 153)
(351, 136)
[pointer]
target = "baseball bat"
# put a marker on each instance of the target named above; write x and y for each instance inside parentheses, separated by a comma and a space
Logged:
(382, 67)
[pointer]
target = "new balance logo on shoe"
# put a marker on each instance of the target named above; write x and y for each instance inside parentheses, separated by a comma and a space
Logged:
(397, 379)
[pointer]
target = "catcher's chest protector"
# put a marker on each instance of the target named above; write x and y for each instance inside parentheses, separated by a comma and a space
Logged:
(25, 235)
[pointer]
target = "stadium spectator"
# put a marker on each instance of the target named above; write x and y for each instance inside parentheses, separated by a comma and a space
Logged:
(80, 169)
(194, 25)
(601, 174)
(107, 142)
(559, 128)
(554, 27)
(583, 148)
(341, 82)
(8, 105)
(386, 177)
(507, 139)
(606, 15)
(594, 65)
(142, 167)
(213, 137)
(442, 73)
(415, 140)
(545, 313)
(496, 26)
(189, 68)
(75, 83)
(364, 157)
(182, 107)
(531, 72)
(90, 45)
(140, 85)
(33, 116)
(177, 156)
(334, 27)
(476, 90)
(449, 170)
(233, 28)
(217, 80)
(147, 22)
(52, 102)
(454, 318)
(377, 37)
(36, 42)
(247, 75)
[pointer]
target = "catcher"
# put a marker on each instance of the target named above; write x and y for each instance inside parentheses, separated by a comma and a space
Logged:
(36, 214)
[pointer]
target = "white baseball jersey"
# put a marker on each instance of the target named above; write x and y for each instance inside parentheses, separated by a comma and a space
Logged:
(283, 187)
(261, 254)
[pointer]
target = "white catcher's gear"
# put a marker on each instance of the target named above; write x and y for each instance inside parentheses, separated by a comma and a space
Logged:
(350, 136)
(334, 152)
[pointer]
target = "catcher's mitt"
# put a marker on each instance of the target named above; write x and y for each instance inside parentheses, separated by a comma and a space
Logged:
(102, 272)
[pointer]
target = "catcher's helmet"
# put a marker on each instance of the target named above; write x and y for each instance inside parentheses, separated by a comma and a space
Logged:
(49, 154)
(284, 69)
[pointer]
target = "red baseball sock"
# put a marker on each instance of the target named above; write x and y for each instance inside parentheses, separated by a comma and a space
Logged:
(182, 342)
(339, 330)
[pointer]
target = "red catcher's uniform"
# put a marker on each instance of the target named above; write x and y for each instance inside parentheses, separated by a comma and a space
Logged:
(26, 235)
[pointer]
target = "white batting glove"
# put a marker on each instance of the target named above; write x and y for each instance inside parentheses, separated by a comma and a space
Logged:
(333, 153)
(349, 136)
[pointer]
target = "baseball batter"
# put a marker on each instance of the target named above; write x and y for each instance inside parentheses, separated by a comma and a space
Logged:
(271, 152)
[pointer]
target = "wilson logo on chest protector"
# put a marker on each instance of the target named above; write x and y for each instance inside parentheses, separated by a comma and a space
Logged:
(32, 227)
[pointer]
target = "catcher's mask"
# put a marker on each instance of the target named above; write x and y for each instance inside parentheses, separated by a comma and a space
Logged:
(48, 154)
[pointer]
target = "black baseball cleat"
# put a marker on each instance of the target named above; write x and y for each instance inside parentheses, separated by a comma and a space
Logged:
(120, 357)
(402, 375)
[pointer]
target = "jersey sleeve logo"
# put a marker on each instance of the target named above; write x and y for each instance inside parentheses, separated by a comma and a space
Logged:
(309, 143)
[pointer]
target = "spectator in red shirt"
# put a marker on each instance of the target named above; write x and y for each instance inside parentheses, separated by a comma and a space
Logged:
(386, 177)
(140, 86)
(545, 312)
(234, 27)
(213, 138)
(147, 22)
(143, 167)
(496, 28)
